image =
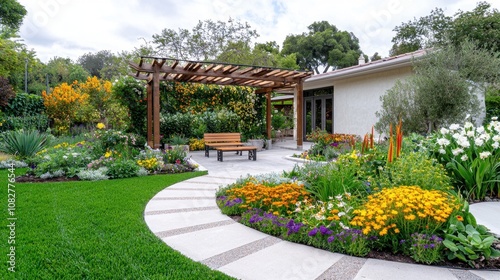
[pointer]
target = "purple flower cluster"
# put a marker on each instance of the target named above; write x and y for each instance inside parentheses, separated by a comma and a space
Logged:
(233, 202)
(293, 227)
(346, 235)
(260, 216)
(425, 241)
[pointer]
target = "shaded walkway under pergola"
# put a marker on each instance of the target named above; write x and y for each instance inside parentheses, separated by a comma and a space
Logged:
(263, 79)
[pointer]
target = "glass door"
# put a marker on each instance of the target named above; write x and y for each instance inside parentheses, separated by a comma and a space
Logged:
(318, 114)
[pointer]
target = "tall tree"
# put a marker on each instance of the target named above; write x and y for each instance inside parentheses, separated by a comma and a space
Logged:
(206, 41)
(421, 33)
(11, 16)
(323, 47)
(481, 25)
(99, 64)
(262, 54)
(443, 90)
(375, 57)
(63, 70)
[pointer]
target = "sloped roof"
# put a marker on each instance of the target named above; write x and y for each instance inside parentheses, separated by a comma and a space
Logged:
(370, 67)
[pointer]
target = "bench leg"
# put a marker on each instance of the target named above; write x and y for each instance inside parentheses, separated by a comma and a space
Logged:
(252, 155)
(219, 156)
(206, 152)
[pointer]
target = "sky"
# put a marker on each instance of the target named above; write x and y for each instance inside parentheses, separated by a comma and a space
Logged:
(70, 29)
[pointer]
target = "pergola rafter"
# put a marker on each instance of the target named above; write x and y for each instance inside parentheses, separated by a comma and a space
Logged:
(265, 79)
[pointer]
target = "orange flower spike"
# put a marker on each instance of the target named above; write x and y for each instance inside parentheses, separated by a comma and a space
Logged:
(371, 139)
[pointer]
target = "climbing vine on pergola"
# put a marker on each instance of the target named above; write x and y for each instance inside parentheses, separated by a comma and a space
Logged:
(263, 79)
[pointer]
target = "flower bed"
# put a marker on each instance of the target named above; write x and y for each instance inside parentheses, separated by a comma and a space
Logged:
(363, 205)
(105, 154)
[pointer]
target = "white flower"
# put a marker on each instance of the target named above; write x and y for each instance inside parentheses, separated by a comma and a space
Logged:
(65, 157)
(496, 138)
(443, 142)
(463, 142)
(495, 145)
(468, 125)
(479, 142)
(340, 214)
(457, 151)
(494, 118)
(456, 136)
(338, 197)
(464, 158)
(470, 133)
(484, 155)
(480, 129)
(442, 151)
(467, 116)
(341, 204)
(444, 131)
(319, 217)
(454, 126)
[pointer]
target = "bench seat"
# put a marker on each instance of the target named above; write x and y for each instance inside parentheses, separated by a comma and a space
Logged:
(252, 151)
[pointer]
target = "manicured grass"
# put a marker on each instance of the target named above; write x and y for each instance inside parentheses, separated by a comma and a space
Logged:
(92, 230)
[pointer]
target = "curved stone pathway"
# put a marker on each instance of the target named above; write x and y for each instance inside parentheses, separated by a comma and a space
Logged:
(186, 217)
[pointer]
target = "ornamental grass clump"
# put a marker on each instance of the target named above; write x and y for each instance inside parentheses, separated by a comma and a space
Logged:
(394, 214)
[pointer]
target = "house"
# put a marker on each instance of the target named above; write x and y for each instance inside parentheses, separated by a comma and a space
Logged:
(345, 100)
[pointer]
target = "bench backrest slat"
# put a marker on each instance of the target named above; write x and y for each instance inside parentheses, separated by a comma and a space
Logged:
(222, 137)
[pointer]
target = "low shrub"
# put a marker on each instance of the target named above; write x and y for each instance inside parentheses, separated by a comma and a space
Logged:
(122, 168)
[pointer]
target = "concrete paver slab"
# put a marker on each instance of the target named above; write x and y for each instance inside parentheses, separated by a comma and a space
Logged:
(284, 260)
(388, 270)
(486, 213)
(156, 205)
(164, 222)
(203, 244)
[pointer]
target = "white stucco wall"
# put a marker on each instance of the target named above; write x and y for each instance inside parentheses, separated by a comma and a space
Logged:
(357, 99)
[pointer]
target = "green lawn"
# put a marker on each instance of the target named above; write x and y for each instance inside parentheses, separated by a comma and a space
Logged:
(91, 230)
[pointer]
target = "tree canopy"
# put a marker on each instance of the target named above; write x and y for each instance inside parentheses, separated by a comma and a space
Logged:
(481, 26)
(443, 90)
(206, 41)
(323, 47)
(11, 15)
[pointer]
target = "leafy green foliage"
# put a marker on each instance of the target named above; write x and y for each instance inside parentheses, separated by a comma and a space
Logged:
(206, 40)
(23, 144)
(442, 91)
(24, 104)
(37, 122)
(11, 14)
(469, 242)
(414, 169)
(132, 94)
(324, 46)
(481, 26)
(122, 168)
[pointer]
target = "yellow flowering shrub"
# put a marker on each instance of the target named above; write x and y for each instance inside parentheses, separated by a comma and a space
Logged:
(278, 199)
(196, 144)
(404, 210)
(62, 105)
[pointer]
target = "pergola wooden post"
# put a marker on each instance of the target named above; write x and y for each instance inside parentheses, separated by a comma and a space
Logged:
(300, 114)
(268, 113)
(264, 79)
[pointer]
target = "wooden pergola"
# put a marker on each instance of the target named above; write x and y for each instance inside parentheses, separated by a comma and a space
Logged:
(263, 79)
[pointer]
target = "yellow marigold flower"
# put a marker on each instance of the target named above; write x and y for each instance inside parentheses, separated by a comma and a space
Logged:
(108, 154)
(460, 218)
(100, 126)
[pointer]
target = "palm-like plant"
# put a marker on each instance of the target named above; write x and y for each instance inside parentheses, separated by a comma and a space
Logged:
(23, 144)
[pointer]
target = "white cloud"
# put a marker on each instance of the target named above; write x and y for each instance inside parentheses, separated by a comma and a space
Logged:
(67, 28)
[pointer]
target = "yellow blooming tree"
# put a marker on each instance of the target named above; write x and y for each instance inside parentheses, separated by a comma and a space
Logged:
(62, 105)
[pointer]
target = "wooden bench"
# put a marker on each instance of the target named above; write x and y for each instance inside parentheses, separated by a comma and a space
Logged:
(252, 151)
(219, 140)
